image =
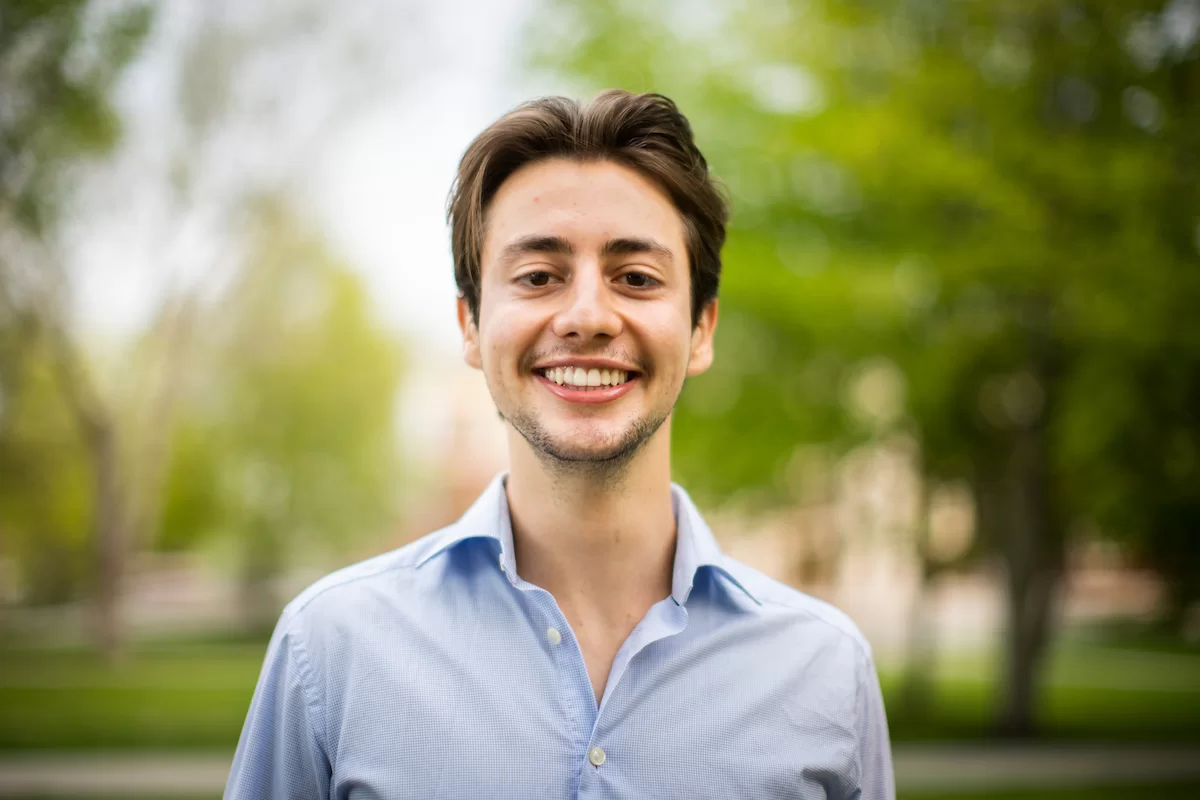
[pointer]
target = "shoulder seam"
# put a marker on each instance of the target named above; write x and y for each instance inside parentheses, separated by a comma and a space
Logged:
(856, 637)
(772, 597)
(311, 594)
(308, 683)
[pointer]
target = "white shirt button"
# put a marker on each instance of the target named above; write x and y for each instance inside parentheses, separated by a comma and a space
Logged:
(553, 635)
(502, 562)
(596, 756)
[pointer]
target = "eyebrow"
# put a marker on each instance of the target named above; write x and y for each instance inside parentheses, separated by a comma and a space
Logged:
(623, 246)
(628, 246)
(535, 244)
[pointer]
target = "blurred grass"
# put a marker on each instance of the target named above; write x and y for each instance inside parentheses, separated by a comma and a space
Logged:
(193, 695)
(1095, 690)
(169, 695)
(1085, 793)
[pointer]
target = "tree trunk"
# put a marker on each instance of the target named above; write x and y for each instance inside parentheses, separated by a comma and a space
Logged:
(144, 507)
(916, 690)
(1031, 595)
(108, 541)
(261, 567)
(1033, 547)
(98, 428)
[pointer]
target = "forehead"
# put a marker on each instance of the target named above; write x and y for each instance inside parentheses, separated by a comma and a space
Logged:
(587, 203)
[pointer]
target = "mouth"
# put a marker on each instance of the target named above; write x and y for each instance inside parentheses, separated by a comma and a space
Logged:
(587, 386)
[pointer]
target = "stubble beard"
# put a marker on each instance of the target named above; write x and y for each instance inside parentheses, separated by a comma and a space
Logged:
(606, 466)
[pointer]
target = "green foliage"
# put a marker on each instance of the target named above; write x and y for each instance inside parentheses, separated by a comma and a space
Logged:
(286, 440)
(58, 59)
(999, 198)
(44, 483)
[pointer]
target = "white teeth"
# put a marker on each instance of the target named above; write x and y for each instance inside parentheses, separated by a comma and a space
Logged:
(577, 376)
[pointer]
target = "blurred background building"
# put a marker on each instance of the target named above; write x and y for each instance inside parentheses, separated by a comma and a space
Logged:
(957, 389)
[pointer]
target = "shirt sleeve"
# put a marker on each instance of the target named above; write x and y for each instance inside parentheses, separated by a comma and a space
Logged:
(874, 749)
(280, 752)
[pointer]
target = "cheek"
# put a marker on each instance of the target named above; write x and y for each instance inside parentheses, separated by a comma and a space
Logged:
(504, 337)
(669, 345)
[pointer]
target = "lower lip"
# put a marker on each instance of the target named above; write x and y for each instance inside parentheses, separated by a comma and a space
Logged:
(604, 394)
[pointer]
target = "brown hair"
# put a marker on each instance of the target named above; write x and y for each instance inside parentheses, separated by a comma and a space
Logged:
(645, 132)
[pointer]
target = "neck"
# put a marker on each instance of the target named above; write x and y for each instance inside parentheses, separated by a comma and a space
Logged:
(602, 544)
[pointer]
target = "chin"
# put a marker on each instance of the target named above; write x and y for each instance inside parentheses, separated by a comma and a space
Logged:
(586, 443)
(589, 447)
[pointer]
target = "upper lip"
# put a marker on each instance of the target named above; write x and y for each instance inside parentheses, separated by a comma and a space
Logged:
(586, 363)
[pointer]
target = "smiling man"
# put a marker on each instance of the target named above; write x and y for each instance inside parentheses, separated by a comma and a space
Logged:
(578, 633)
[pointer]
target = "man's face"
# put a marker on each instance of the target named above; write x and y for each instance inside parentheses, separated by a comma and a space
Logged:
(585, 333)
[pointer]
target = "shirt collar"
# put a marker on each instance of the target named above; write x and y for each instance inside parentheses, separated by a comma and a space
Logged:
(488, 518)
(695, 547)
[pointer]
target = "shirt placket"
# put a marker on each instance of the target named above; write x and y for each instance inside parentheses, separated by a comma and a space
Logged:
(567, 657)
(608, 744)
(591, 736)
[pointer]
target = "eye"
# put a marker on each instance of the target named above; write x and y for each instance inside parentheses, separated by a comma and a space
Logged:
(536, 279)
(639, 280)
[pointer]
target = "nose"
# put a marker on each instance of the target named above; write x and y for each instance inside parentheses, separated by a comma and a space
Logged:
(588, 311)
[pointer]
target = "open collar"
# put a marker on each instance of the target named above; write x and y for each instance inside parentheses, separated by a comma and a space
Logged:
(488, 518)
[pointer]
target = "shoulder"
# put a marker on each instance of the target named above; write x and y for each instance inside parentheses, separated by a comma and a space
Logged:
(827, 621)
(386, 578)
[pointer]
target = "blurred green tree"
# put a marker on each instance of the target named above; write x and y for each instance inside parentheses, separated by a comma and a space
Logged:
(44, 478)
(1001, 199)
(186, 173)
(285, 442)
(58, 61)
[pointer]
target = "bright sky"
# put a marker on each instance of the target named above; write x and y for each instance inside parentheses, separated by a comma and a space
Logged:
(378, 187)
(384, 188)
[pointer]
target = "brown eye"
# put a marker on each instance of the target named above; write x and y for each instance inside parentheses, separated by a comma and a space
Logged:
(536, 278)
(639, 280)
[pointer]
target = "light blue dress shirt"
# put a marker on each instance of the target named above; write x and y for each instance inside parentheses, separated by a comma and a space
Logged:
(435, 671)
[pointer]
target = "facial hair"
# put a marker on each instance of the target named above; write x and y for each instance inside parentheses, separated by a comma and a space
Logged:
(605, 466)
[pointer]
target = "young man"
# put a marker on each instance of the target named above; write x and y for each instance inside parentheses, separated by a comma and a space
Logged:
(577, 633)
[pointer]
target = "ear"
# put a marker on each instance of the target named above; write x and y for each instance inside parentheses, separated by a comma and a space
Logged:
(702, 339)
(470, 333)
